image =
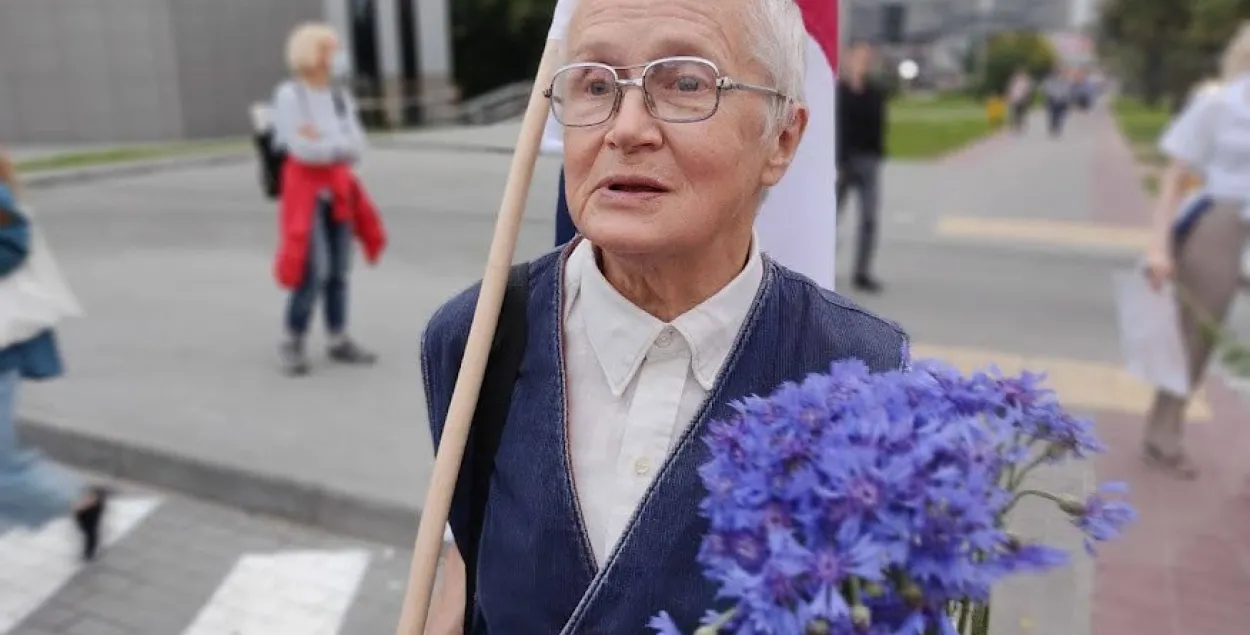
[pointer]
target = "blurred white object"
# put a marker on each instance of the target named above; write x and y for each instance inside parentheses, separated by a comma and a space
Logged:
(262, 116)
(1245, 263)
(1150, 332)
(36, 297)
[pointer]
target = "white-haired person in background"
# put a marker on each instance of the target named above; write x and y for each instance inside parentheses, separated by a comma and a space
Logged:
(1210, 138)
(323, 202)
(678, 116)
(33, 297)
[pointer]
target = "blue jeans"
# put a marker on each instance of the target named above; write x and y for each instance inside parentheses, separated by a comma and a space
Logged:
(329, 261)
(33, 491)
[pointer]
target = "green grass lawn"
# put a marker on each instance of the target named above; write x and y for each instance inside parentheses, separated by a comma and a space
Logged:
(1142, 125)
(927, 128)
(87, 158)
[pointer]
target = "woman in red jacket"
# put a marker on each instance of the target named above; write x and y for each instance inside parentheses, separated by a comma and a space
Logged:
(323, 203)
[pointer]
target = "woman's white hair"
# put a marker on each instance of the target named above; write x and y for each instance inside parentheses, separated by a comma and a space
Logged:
(1236, 60)
(303, 46)
(780, 46)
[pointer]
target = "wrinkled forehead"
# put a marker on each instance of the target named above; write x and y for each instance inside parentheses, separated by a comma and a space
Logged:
(625, 32)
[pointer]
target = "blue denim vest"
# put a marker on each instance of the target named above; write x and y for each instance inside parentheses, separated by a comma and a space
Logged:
(536, 571)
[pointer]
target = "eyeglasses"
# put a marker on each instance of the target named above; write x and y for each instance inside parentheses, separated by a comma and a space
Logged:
(675, 90)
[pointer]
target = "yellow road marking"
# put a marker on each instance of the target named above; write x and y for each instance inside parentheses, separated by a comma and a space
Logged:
(1080, 385)
(1065, 233)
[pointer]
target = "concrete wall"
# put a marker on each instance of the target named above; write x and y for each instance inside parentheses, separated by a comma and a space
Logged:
(75, 71)
(111, 71)
(229, 54)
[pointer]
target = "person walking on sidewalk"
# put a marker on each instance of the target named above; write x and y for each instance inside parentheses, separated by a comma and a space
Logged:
(1058, 92)
(861, 107)
(1211, 138)
(33, 491)
(323, 202)
(1019, 97)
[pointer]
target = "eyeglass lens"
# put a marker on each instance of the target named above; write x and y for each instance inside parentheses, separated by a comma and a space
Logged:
(676, 91)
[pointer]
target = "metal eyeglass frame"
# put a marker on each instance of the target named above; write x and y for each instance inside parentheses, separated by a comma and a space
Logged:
(723, 84)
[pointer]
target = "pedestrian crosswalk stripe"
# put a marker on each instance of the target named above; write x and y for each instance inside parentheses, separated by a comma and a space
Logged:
(1045, 232)
(1080, 385)
(286, 593)
(36, 564)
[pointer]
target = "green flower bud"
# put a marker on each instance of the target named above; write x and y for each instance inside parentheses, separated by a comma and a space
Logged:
(861, 616)
(1071, 506)
(818, 627)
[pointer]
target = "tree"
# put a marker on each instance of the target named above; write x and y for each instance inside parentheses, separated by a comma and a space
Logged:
(1008, 52)
(1164, 46)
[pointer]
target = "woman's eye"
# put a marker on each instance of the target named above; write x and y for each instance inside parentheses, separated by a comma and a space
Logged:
(688, 83)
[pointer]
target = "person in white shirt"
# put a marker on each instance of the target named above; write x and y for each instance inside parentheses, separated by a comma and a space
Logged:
(677, 117)
(1211, 138)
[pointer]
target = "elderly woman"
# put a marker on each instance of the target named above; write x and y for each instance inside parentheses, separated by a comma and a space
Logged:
(1211, 138)
(323, 203)
(678, 116)
(33, 491)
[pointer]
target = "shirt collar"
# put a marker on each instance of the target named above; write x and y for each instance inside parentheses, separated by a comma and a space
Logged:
(620, 333)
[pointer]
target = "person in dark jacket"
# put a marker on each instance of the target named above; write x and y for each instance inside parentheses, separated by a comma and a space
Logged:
(861, 131)
(33, 491)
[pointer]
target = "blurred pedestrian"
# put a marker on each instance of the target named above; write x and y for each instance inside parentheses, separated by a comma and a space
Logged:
(1209, 138)
(1019, 97)
(33, 298)
(861, 107)
(323, 202)
(1058, 93)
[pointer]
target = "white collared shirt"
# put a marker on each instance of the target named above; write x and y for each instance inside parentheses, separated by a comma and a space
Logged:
(635, 384)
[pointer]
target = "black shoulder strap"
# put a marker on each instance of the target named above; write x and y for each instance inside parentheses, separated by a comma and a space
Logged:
(493, 402)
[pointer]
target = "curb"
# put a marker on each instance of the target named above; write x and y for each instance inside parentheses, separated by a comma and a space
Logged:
(303, 503)
(44, 179)
(447, 146)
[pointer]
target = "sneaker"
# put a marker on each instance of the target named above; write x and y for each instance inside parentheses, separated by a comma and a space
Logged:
(294, 362)
(867, 284)
(347, 352)
(89, 520)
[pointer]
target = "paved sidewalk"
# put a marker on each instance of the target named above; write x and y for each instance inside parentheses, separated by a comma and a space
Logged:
(173, 566)
(1184, 568)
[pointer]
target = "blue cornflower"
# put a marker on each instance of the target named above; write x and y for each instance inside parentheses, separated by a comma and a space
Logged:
(1103, 519)
(663, 624)
(850, 477)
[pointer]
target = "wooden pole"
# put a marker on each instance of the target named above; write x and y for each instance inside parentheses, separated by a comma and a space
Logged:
(469, 382)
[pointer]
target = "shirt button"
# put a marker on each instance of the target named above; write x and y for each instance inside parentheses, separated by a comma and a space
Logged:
(642, 466)
(665, 338)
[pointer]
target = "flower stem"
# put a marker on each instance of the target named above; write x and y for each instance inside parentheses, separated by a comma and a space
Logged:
(1033, 492)
(1017, 478)
(714, 627)
(965, 615)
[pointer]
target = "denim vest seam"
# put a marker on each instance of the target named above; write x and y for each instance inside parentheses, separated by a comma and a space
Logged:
(586, 557)
(836, 299)
(689, 436)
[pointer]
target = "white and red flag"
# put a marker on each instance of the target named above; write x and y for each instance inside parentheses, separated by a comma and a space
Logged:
(798, 223)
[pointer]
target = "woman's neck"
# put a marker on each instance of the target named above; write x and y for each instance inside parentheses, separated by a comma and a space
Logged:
(668, 286)
(316, 80)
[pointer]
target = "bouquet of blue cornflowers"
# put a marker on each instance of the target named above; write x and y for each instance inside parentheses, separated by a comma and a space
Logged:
(877, 504)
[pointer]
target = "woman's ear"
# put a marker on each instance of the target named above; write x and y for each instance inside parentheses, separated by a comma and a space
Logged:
(787, 145)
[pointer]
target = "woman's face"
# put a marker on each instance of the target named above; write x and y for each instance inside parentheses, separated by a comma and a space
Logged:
(325, 60)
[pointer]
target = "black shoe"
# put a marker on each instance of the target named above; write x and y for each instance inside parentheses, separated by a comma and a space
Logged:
(867, 284)
(347, 352)
(89, 520)
(294, 361)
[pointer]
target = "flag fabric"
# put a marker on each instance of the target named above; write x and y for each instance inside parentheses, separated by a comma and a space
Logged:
(799, 220)
(798, 223)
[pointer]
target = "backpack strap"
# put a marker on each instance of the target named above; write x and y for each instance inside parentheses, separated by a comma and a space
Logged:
(491, 414)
